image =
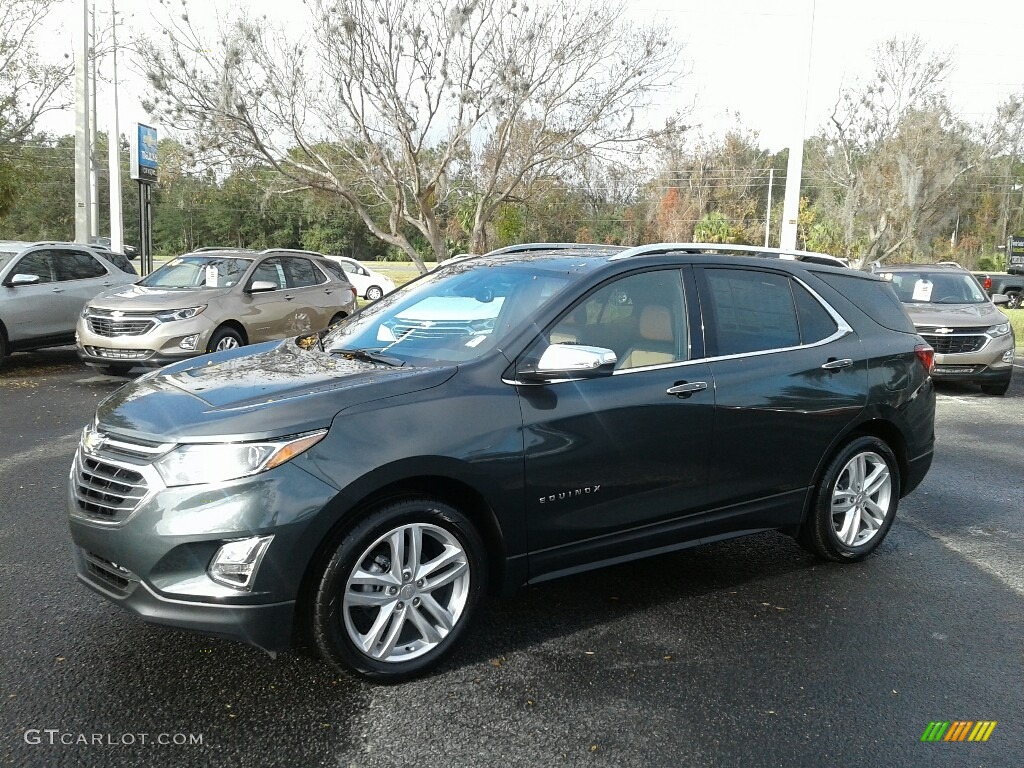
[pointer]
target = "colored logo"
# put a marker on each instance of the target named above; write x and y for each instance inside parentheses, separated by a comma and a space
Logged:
(959, 730)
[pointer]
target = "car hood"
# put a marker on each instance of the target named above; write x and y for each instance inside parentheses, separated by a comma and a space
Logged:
(141, 298)
(257, 392)
(954, 315)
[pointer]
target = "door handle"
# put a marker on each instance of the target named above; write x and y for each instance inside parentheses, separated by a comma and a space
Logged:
(685, 389)
(835, 365)
(288, 298)
(57, 290)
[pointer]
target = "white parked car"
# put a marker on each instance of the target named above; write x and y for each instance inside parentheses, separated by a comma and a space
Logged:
(371, 285)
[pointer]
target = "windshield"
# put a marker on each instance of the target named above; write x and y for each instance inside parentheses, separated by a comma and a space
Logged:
(451, 316)
(198, 272)
(937, 288)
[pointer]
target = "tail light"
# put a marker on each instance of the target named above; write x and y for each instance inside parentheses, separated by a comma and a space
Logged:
(987, 285)
(926, 355)
(355, 295)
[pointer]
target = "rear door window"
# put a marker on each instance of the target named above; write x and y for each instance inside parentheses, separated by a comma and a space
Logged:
(77, 265)
(300, 273)
(750, 311)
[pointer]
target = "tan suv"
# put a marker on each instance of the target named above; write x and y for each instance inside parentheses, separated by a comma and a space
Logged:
(972, 339)
(211, 301)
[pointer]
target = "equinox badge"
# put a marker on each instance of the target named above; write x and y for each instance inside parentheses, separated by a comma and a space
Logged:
(563, 495)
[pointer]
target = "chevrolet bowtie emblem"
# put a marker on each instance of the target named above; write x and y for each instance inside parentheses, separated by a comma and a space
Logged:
(943, 330)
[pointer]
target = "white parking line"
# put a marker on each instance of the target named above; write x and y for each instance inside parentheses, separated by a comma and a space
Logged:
(984, 552)
(53, 446)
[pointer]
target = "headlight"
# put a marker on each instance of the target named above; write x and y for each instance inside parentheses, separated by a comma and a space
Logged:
(999, 330)
(85, 311)
(196, 463)
(179, 314)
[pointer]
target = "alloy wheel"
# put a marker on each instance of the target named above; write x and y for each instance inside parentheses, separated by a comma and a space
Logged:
(406, 593)
(861, 499)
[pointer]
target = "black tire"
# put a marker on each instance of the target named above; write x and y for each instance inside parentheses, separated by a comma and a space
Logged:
(373, 293)
(115, 370)
(366, 546)
(998, 388)
(818, 534)
(223, 337)
(336, 319)
(3, 347)
(1015, 300)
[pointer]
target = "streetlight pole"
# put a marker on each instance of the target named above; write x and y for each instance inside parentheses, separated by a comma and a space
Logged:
(114, 153)
(83, 203)
(94, 161)
(795, 167)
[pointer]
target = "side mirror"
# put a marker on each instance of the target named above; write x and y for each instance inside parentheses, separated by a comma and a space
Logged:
(262, 286)
(1000, 298)
(570, 361)
(22, 279)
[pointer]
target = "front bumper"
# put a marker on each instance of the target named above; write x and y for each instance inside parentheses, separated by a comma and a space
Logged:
(992, 363)
(153, 560)
(158, 346)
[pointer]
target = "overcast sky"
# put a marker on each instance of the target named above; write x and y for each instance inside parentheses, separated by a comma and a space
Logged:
(746, 56)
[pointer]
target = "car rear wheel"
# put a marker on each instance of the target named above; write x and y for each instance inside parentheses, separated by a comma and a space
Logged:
(855, 502)
(336, 319)
(3, 347)
(373, 293)
(225, 338)
(399, 590)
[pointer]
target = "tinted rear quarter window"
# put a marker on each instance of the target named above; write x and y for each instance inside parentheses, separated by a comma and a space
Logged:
(815, 322)
(873, 297)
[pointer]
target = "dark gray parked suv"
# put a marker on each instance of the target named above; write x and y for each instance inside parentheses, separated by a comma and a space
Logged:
(509, 418)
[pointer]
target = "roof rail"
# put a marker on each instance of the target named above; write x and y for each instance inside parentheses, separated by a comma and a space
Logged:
(528, 247)
(753, 250)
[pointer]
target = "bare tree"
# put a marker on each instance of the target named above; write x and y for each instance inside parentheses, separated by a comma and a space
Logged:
(888, 181)
(386, 101)
(28, 87)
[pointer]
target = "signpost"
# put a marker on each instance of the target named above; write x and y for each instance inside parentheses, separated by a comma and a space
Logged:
(143, 166)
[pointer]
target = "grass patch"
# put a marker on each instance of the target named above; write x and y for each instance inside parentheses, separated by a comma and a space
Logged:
(1016, 317)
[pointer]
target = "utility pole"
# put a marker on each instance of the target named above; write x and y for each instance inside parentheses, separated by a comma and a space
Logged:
(114, 153)
(83, 203)
(94, 161)
(768, 212)
(795, 167)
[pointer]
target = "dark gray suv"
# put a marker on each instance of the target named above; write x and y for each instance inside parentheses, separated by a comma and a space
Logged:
(510, 418)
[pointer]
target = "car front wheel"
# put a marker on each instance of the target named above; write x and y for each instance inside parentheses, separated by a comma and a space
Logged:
(855, 502)
(373, 293)
(399, 590)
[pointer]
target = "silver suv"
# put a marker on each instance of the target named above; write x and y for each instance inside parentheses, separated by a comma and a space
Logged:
(212, 301)
(43, 287)
(972, 339)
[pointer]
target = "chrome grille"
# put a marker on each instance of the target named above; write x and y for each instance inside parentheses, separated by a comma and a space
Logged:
(954, 344)
(127, 326)
(107, 491)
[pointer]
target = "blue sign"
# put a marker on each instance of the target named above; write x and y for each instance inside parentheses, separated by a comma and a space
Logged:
(144, 154)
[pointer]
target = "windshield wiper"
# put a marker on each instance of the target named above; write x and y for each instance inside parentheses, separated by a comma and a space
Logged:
(369, 356)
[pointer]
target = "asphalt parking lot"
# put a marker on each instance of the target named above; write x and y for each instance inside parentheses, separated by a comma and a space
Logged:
(745, 653)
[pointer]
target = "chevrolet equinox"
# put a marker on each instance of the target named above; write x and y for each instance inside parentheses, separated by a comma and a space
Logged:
(506, 419)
